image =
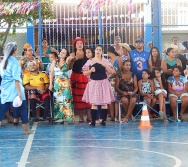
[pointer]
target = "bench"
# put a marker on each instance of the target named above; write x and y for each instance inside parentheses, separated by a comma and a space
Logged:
(142, 102)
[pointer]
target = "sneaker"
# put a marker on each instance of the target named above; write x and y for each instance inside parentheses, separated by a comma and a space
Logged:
(116, 120)
(59, 121)
(161, 114)
(98, 121)
(92, 124)
(39, 119)
(155, 116)
(35, 119)
(47, 119)
(103, 123)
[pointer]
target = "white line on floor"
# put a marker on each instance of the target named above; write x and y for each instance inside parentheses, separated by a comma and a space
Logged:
(51, 138)
(26, 151)
(104, 150)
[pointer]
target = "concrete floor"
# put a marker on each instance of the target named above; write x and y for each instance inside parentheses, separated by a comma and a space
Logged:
(78, 145)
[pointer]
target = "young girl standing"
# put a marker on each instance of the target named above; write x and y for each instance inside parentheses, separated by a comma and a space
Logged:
(89, 54)
(98, 90)
(63, 107)
(52, 56)
(160, 89)
(113, 59)
(146, 88)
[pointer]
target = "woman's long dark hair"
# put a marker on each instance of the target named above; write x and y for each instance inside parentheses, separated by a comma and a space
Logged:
(158, 56)
(23, 53)
(92, 51)
(169, 50)
(68, 54)
(14, 48)
(163, 79)
(55, 55)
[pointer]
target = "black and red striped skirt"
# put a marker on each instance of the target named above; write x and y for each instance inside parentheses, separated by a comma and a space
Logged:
(78, 84)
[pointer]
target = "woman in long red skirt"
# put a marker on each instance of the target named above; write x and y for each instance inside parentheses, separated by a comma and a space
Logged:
(78, 80)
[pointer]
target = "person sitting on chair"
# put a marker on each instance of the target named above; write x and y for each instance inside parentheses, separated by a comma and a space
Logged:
(37, 84)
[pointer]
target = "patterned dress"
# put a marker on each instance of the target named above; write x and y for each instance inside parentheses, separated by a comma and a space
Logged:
(158, 87)
(98, 90)
(113, 78)
(127, 86)
(63, 107)
(177, 86)
(124, 58)
(78, 83)
(146, 87)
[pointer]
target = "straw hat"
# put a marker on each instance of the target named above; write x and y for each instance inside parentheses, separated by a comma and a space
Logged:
(126, 46)
(175, 47)
(78, 39)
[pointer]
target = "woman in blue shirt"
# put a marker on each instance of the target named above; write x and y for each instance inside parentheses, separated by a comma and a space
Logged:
(11, 85)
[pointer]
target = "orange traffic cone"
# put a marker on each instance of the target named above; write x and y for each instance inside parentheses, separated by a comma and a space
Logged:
(145, 121)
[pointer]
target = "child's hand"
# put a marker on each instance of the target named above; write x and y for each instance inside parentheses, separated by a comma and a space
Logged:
(164, 94)
(185, 71)
(125, 93)
(151, 96)
(50, 87)
(92, 69)
(22, 58)
(72, 58)
(37, 57)
(148, 95)
(159, 79)
(103, 64)
(178, 94)
(130, 93)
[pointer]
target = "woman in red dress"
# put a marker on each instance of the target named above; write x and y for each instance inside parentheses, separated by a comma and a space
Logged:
(78, 80)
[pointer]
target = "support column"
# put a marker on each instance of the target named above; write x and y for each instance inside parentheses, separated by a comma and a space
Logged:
(100, 27)
(31, 32)
(30, 35)
(40, 30)
(147, 24)
(157, 28)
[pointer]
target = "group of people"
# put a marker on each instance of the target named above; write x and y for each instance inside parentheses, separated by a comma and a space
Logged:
(96, 84)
